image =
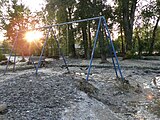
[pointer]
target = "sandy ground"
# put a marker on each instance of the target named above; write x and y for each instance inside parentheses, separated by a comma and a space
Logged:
(55, 94)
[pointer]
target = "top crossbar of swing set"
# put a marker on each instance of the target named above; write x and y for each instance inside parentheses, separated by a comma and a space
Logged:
(66, 23)
(116, 65)
(112, 49)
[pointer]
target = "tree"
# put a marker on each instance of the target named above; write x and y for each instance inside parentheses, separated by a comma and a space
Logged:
(18, 19)
(119, 19)
(157, 42)
(88, 9)
(63, 12)
(128, 13)
(80, 9)
(156, 14)
(15, 24)
(84, 11)
(149, 15)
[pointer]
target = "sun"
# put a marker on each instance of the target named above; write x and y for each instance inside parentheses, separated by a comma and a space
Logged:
(31, 36)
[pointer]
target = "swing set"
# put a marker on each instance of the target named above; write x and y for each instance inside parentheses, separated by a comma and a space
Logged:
(101, 21)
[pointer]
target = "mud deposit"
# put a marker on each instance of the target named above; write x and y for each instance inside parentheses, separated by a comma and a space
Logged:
(54, 94)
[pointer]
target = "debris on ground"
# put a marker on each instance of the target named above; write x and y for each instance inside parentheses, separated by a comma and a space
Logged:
(56, 94)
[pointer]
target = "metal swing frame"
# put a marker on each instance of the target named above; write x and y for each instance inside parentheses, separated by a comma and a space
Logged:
(40, 58)
(102, 21)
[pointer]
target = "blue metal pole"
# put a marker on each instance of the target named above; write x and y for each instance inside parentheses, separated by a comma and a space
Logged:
(11, 52)
(14, 62)
(110, 51)
(39, 62)
(65, 23)
(119, 68)
(95, 42)
(60, 51)
(115, 68)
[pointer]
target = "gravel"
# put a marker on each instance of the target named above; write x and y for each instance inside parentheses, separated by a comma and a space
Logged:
(55, 94)
(41, 97)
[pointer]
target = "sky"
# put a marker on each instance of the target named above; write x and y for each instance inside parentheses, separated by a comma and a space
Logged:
(34, 5)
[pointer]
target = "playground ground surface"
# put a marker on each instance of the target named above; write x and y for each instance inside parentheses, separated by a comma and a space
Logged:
(55, 94)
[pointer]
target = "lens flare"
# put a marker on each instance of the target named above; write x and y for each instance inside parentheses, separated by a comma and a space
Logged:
(150, 96)
(33, 35)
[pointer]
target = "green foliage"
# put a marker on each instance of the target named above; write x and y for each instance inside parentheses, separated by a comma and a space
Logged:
(58, 11)
(97, 53)
(17, 21)
(117, 45)
(6, 45)
(127, 14)
(2, 57)
(70, 10)
(62, 11)
(131, 55)
(150, 10)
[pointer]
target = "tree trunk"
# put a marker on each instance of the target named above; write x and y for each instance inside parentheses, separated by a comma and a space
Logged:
(153, 37)
(128, 19)
(67, 46)
(123, 48)
(71, 42)
(51, 54)
(102, 46)
(140, 47)
(47, 50)
(89, 40)
(85, 42)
